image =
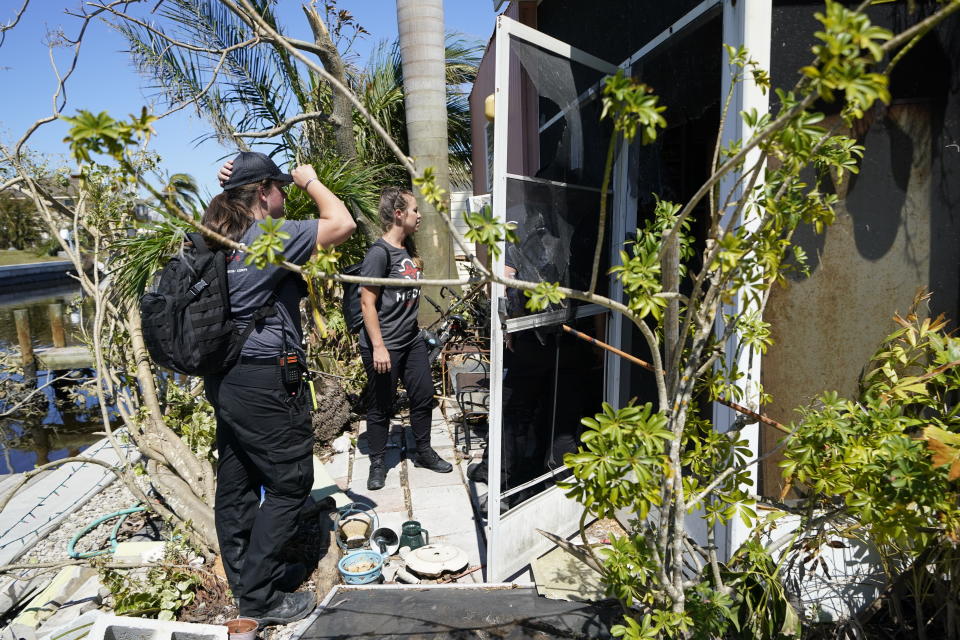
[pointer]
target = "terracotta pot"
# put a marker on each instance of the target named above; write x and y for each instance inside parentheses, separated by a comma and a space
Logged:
(242, 629)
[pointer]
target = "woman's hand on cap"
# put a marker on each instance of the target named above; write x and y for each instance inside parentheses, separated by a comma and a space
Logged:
(303, 174)
(225, 171)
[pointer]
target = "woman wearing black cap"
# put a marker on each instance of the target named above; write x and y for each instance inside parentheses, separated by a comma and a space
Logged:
(390, 342)
(264, 429)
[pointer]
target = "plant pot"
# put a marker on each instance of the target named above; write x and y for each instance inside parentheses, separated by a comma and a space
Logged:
(360, 567)
(242, 629)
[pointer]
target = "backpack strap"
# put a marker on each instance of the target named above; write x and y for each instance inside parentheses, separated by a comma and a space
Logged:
(386, 271)
(387, 252)
(199, 243)
(264, 312)
(204, 255)
(267, 310)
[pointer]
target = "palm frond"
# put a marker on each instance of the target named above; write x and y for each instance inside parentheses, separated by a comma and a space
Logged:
(380, 87)
(259, 84)
(357, 183)
(141, 254)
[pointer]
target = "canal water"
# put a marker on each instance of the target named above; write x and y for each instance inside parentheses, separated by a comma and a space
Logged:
(64, 421)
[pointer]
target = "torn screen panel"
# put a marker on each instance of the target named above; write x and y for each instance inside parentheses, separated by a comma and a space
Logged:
(557, 232)
(564, 139)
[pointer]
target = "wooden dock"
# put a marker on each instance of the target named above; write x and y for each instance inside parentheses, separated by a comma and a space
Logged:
(59, 357)
(63, 358)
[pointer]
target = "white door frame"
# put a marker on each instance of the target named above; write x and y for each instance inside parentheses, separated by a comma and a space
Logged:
(512, 539)
(746, 23)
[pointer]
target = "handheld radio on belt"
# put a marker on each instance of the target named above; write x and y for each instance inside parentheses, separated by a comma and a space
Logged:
(291, 370)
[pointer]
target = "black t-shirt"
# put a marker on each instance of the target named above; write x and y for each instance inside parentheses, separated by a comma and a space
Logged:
(397, 307)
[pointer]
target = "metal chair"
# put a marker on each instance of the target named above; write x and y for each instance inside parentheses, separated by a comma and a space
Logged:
(471, 389)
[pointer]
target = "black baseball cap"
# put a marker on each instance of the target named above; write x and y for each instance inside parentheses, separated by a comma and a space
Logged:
(251, 166)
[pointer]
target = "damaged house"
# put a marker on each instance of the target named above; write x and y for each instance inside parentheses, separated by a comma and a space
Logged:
(540, 150)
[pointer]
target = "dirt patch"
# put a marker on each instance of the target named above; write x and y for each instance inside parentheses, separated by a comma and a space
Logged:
(213, 603)
(603, 529)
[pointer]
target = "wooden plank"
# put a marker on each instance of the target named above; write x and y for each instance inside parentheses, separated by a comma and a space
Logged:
(62, 358)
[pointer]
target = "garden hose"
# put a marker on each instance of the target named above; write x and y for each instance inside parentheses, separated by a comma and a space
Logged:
(96, 523)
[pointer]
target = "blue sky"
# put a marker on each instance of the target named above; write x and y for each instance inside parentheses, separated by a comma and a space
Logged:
(106, 81)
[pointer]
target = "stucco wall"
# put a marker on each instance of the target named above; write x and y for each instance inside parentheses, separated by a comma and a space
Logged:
(867, 267)
(897, 229)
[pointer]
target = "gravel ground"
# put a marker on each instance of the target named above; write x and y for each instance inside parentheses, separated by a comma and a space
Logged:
(215, 606)
(53, 547)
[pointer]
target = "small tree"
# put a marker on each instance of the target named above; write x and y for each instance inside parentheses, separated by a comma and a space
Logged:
(882, 470)
(18, 224)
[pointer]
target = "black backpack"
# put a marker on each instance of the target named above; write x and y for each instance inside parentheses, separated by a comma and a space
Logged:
(187, 324)
(352, 314)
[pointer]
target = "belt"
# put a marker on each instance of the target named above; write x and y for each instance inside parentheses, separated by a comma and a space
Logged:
(275, 361)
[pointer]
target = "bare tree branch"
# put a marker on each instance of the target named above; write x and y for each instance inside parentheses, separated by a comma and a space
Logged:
(13, 22)
(286, 125)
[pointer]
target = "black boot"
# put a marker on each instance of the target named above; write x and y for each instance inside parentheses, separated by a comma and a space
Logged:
(478, 472)
(378, 473)
(428, 459)
(292, 607)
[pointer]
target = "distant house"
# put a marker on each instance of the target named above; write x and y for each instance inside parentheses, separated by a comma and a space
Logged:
(898, 227)
(62, 195)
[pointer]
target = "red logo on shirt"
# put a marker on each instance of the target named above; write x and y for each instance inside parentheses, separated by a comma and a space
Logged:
(408, 270)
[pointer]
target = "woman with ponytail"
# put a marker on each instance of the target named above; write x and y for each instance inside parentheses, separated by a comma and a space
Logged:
(390, 342)
(264, 429)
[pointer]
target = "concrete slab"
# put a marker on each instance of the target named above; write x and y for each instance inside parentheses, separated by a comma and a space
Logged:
(362, 449)
(15, 631)
(384, 500)
(7, 481)
(559, 575)
(361, 470)
(438, 497)
(42, 505)
(440, 434)
(440, 501)
(76, 629)
(82, 601)
(14, 590)
(124, 628)
(324, 486)
(420, 477)
(443, 521)
(46, 603)
(338, 464)
(440, 438)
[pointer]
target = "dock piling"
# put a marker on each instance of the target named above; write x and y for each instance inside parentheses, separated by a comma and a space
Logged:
(59, 336)
(22, 320)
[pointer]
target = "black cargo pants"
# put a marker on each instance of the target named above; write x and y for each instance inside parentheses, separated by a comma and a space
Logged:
(412, 365)
(264, 438)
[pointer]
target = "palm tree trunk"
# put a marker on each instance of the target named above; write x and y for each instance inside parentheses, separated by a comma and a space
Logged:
(421, 34)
